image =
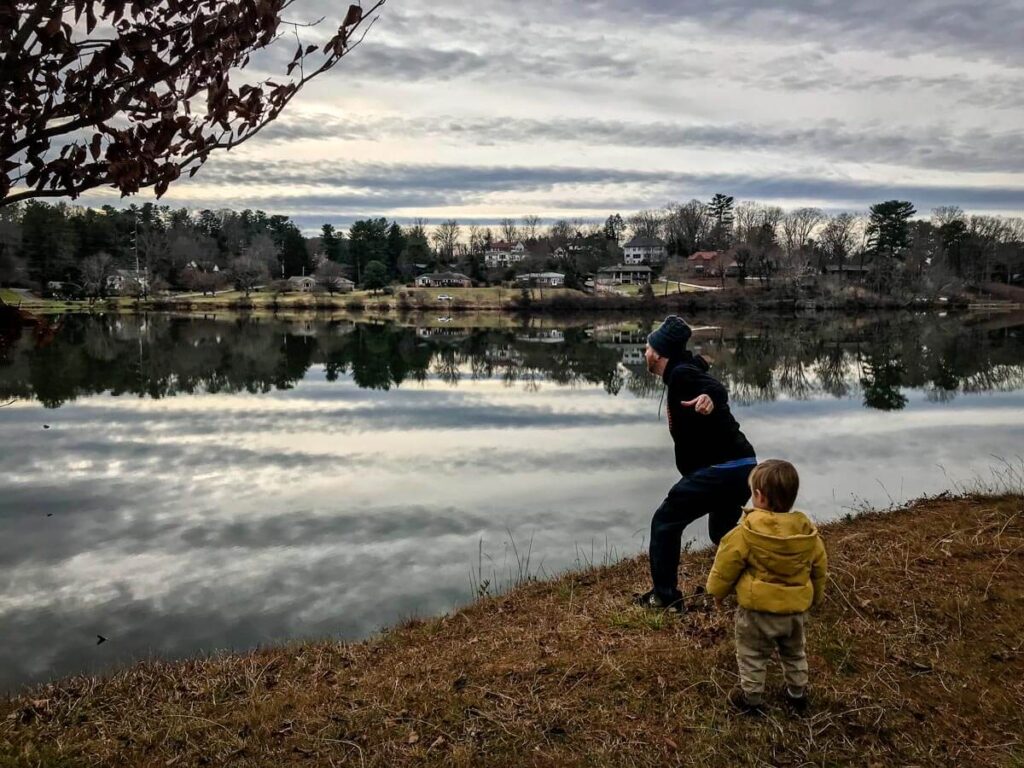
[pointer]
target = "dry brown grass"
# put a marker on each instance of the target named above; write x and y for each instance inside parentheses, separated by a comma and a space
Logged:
(916, 659)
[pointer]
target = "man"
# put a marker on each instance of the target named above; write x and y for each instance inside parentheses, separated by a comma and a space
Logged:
(712, 455)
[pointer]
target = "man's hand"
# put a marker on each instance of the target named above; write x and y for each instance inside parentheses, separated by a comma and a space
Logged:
(702, 404)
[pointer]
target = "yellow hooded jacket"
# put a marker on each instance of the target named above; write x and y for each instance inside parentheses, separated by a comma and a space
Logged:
(775, 561)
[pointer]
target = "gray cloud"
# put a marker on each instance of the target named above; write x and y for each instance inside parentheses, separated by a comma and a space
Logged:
(598, 75)
(379, 187)
(991, 30)
(938, 147)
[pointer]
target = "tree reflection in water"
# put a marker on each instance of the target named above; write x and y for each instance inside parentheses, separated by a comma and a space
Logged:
(759, 360)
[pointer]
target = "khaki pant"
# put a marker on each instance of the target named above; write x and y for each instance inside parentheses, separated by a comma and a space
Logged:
(758, 634)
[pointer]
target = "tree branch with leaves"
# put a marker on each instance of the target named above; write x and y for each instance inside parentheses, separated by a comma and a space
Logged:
(127, 94)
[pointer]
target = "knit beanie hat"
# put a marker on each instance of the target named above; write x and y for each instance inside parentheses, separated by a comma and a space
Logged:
(669, 340)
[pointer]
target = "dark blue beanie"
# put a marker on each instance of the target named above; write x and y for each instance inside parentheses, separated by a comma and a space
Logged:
(669, 340)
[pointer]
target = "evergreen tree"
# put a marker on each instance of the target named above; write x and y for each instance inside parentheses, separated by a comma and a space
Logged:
(396, 244)
(720, 211)
(367, 241)
(889, 227)
(332, 243)
(294, 254)
(375, 276)
(48, 243)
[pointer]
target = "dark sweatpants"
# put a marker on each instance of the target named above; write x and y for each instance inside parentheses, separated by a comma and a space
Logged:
(719, 493)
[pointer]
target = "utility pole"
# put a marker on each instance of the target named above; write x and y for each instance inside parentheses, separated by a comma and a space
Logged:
(135, 243)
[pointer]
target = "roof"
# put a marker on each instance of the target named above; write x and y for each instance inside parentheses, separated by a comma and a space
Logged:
(645, 242)
(301, 278)
(503, 245)
(543, 275)
(625, 268)
(446, 276)
(704, 256)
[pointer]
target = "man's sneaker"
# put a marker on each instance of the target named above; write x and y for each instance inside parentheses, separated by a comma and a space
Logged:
(653, 601)
(738, 700)
(797, 704)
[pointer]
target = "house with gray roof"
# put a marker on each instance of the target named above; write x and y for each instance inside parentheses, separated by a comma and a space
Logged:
(443, 280)
(644, 250)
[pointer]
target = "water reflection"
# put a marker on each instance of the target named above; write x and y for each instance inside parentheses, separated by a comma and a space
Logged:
(162, 356)
(265, 480)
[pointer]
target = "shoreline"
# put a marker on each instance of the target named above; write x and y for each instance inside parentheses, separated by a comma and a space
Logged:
(549, 303)
(915, 658)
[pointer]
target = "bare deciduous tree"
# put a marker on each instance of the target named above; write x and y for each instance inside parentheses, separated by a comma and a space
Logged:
(798, 226)
(838, 240)
(95, 271)
(561, 232)
(250, 272)
(330, 276)
(947, 214)
(509, 230)
(531, 227)
(476, 239)
(687, 226)
(266, 250)
(445, 236)
(646, 223)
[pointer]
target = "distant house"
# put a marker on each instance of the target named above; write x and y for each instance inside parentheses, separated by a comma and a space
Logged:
(546, 279)
(443, 280)
(644, 250)
(343, 285)
(707, 262)
(124, 280)
(303, 284)
(503, 254)
(624, 274)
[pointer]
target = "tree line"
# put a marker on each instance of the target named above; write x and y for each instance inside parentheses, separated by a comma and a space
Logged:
(899, 247)
(207, 250)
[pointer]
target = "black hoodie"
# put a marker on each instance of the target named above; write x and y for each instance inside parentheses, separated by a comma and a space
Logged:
(701, 441)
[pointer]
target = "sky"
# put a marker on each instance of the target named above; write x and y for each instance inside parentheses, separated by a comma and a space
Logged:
(478, 111)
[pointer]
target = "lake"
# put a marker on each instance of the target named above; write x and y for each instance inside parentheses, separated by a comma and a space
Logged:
(179, 485)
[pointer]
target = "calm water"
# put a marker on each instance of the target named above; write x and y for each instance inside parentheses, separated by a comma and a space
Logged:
(207, 484)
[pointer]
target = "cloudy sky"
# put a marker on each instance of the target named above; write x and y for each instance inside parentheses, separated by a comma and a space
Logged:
(483, 110)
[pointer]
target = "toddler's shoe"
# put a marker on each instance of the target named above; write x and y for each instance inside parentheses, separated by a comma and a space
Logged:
(798, 705)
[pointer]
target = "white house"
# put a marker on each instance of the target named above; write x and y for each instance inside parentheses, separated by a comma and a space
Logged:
(503, 254)
(126, 280)
(443, 280)
(546, 279)
(644, 250)
(624, 274)
(303, 284)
